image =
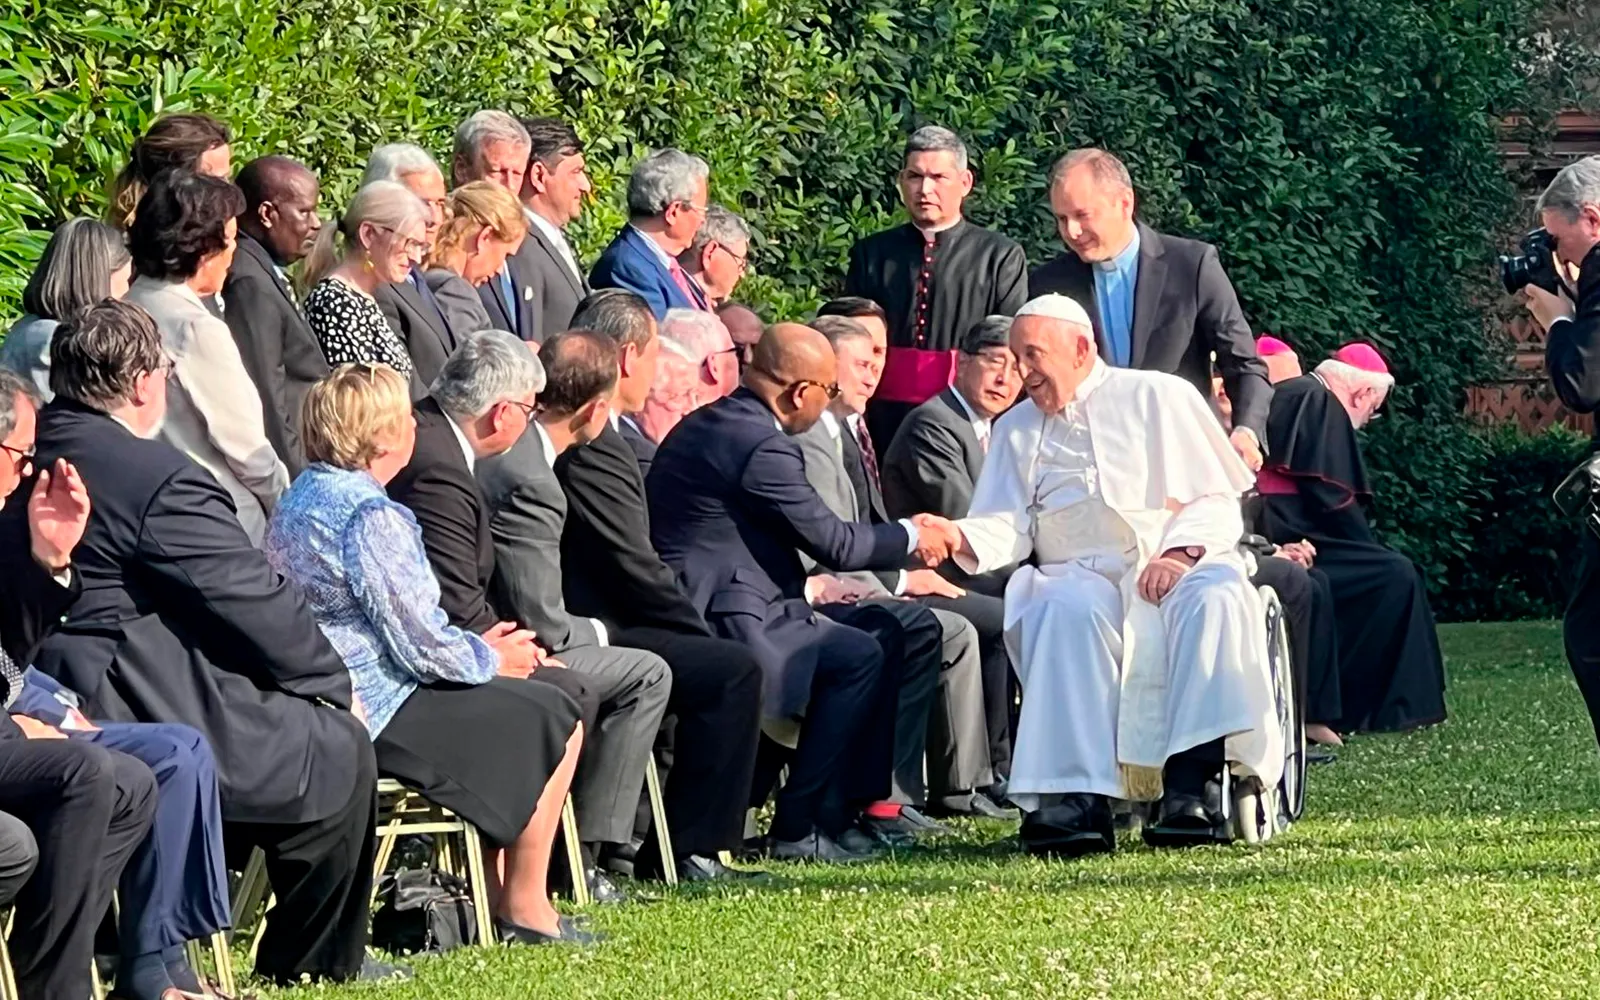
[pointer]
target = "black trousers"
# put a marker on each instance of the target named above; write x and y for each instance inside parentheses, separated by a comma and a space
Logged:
(1580, 629)
(988, 615)
(911, 640)
(19, 855)
(88, 808)
(1313, 636)
(321, 873)
(708, 753)
(846, 745)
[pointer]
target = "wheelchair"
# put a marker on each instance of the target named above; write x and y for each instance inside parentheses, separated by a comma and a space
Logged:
(1251, 813)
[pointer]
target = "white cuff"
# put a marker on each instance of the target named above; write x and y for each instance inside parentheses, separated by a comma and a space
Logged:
(911, 530)
(900, 584)
(600, 634)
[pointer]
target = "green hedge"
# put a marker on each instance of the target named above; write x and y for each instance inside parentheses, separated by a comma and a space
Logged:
(1342, 153)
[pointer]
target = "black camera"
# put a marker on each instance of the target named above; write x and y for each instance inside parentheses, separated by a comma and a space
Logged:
(1535, 265)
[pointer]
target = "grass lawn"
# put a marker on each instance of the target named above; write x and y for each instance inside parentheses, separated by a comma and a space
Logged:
(1463, 861)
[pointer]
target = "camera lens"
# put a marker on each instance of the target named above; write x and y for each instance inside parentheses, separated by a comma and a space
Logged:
(1516, 273)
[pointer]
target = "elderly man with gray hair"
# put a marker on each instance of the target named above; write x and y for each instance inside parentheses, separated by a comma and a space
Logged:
(720, 254)
(668, 195)
(935, 277)
(482, 402)
(493, 146)
(710, 346)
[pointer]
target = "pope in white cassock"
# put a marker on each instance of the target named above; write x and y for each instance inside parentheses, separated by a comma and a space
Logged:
(1138, 639)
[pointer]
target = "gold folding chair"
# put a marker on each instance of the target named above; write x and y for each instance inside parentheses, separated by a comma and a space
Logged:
(408, 812)
(658, 808)
(8, 976)
(569, 826)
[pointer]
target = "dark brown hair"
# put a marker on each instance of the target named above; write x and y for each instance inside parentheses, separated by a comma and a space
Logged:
(182, 219)
(173, 142)
(96, 355)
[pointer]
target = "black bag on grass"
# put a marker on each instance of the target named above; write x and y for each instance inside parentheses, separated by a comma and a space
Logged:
(422, 911)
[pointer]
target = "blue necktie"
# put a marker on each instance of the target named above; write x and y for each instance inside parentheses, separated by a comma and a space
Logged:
(509, 295)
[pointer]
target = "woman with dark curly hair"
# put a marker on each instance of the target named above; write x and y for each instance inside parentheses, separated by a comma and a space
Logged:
(182, 243)
(193, 142)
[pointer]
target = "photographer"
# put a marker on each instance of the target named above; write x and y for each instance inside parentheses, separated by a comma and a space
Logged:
(1569, 210)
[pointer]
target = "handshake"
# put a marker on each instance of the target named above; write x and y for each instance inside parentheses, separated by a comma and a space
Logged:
(938, 538)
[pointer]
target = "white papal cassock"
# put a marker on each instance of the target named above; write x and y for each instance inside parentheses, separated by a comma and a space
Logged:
(1113, 685)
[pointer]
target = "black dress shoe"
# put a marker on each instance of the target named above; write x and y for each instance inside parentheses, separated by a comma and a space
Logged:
(896, 833)
(603, 890)
(1078, 825)
(815, 846)
(620, 859)
(1186, 818)
(567, 932)
(859, 843)
(921, 825)
(977, 804)
(703, 868)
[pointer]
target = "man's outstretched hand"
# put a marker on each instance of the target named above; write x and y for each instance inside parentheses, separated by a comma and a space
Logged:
(937, 538)
(1244, 442)
(58, 513)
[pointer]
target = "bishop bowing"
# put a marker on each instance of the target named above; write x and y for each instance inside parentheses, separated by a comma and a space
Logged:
(1137, 637)
(935, 277)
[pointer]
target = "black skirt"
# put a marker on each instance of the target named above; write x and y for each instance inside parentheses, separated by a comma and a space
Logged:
(484, 752)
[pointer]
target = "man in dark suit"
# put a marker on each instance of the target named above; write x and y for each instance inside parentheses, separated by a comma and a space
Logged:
(553, 191)
(1158, 302)
(480, 405)
(428, 325)
(73, 812)
(713, 713)
(493, 146)
(181, 619)
(731, 511)
(861, 349)
(278, 226)
(667, 204)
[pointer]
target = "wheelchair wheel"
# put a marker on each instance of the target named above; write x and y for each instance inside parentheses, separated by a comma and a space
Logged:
(1289, 798)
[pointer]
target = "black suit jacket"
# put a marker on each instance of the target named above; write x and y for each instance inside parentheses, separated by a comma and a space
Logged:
(279, 350)
(556, 290)
(181, 619)
(731, 511)
(438, 485)
(524, 320)
(644, 449)
(1184, 308)
(423, 326)
(32, 602)
(610, 569)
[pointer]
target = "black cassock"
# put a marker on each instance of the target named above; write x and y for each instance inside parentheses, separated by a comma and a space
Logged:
(1391, 673)
(933, 292)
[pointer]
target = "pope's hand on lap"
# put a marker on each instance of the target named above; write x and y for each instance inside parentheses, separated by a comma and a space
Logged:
(1160, 575)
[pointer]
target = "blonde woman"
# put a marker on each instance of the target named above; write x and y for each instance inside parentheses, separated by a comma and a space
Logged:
(447, 716)
(376, 242)
(483, 226)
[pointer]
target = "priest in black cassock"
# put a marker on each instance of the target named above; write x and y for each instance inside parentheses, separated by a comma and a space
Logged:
(936, 277)
(1391, 674)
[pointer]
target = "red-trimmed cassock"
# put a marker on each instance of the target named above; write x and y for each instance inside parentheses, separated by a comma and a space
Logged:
(934, 287)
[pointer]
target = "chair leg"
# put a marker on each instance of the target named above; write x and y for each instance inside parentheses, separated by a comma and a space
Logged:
(658, 808)
(8, 976)
(478, 882)
(386, 841)
(223, 961)
(261, 930)
(580, 881)
(252, 887)
(95, 985)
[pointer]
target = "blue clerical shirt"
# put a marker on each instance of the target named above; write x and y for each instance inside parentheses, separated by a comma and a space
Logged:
(1114, 281)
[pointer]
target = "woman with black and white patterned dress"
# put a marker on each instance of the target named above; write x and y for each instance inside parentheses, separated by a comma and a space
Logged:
(376, 241)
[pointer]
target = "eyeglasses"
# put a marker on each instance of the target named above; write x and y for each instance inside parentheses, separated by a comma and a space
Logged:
(742, 260)
(831, 388)
(413, 248)
(22, 464)
(710, 362)
(696, 209)
(528, 409)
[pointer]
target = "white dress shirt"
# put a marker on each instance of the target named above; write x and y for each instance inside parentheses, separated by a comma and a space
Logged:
(557, 238)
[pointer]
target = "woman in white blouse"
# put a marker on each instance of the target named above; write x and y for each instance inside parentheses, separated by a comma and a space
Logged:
(182, 241)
